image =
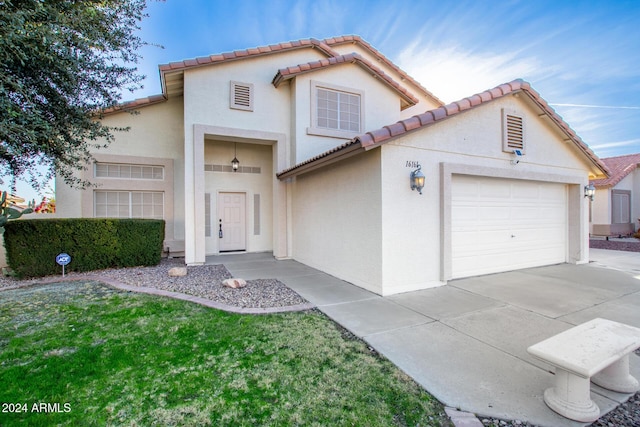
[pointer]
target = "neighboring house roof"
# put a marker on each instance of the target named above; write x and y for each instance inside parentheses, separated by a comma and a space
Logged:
(620, 167)
(352, 58)
(172, 74)
(380, 136)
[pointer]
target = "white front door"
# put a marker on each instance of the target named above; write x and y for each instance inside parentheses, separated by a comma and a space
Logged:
(231, 226)
(506, 224)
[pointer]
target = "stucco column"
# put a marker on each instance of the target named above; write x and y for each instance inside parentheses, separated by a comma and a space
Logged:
(194, 197)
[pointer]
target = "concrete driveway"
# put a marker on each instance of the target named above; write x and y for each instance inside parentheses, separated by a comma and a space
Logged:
(466, 342)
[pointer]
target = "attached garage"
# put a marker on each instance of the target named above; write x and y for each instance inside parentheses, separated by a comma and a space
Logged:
(506, 224)
(499, 195)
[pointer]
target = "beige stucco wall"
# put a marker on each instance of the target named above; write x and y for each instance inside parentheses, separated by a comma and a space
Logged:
(155, 138)
(601, 211)
(337, 223)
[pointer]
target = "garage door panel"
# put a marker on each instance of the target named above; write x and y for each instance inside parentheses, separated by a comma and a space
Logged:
(501, 225)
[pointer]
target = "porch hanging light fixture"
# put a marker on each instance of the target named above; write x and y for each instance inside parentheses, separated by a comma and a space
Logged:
(417, 179)
(589, 191)
(235, 163)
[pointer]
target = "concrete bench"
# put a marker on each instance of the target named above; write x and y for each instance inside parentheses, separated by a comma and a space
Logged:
(596, 351)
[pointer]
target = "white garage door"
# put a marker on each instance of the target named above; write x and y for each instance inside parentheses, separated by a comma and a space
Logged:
(501, 224)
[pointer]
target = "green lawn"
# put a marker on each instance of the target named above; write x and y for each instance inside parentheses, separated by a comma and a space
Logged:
(99, 356)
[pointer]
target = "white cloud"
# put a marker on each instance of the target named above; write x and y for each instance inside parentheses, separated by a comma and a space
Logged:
(617, 144)
(452, 73)
(618, 107)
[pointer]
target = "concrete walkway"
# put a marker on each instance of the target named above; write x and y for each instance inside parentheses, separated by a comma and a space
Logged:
(466, 342)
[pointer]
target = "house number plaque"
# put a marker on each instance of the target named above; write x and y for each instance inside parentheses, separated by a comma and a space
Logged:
(412, 164)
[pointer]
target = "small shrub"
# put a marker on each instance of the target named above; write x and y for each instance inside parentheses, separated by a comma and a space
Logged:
(93, 243)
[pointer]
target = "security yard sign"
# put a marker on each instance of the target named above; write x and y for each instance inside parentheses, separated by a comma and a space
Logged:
(63, 259)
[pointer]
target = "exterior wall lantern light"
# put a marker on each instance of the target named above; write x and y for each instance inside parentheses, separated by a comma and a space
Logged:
(589, 191)
(417, 180)
(235, 163)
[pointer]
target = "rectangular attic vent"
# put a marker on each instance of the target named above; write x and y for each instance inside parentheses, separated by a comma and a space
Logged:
(241, 96)
(513, 126)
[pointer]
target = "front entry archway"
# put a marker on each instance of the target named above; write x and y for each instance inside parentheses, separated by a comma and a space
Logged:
(196, 190)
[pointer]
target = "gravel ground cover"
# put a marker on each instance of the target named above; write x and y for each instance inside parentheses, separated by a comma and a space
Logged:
(203, 281)
(625, 415)
(629, 245)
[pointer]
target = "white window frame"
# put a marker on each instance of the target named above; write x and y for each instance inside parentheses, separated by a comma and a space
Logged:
(157, 171)
(314, 129)
(129, 205)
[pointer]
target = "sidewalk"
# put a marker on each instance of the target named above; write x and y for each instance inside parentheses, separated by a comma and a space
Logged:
(466, 342)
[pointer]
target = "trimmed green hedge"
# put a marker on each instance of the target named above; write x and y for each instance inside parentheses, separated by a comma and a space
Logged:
(93, 243)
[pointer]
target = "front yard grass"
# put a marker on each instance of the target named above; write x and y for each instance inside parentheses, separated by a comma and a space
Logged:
(94, 355)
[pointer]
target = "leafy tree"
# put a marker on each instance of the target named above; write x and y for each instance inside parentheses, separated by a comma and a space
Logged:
(62, 63)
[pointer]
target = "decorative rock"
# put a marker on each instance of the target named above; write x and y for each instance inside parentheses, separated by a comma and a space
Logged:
(178, 271)
(234, 283)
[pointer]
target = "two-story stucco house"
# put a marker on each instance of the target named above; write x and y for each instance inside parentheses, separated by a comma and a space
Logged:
(327, 134)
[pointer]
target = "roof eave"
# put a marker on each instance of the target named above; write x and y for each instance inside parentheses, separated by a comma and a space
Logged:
(345, 151)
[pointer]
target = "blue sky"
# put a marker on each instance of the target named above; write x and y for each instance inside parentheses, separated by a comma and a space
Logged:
(583, 57)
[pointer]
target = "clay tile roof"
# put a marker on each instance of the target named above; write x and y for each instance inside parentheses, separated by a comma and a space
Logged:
(412, 123)
(239, 54)
(452, 108)
(620, 167)
(353, 58)
(425, 118)
(377, 137)
(132, 105)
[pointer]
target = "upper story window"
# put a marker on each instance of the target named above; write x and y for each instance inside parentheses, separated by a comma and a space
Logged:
(128, 171)
(338, 110)
(335, 111)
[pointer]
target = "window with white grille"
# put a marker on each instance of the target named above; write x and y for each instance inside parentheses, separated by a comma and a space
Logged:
(241, 96)
(128, 171)
(336, 111)
(513, 131)
(128, 204)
